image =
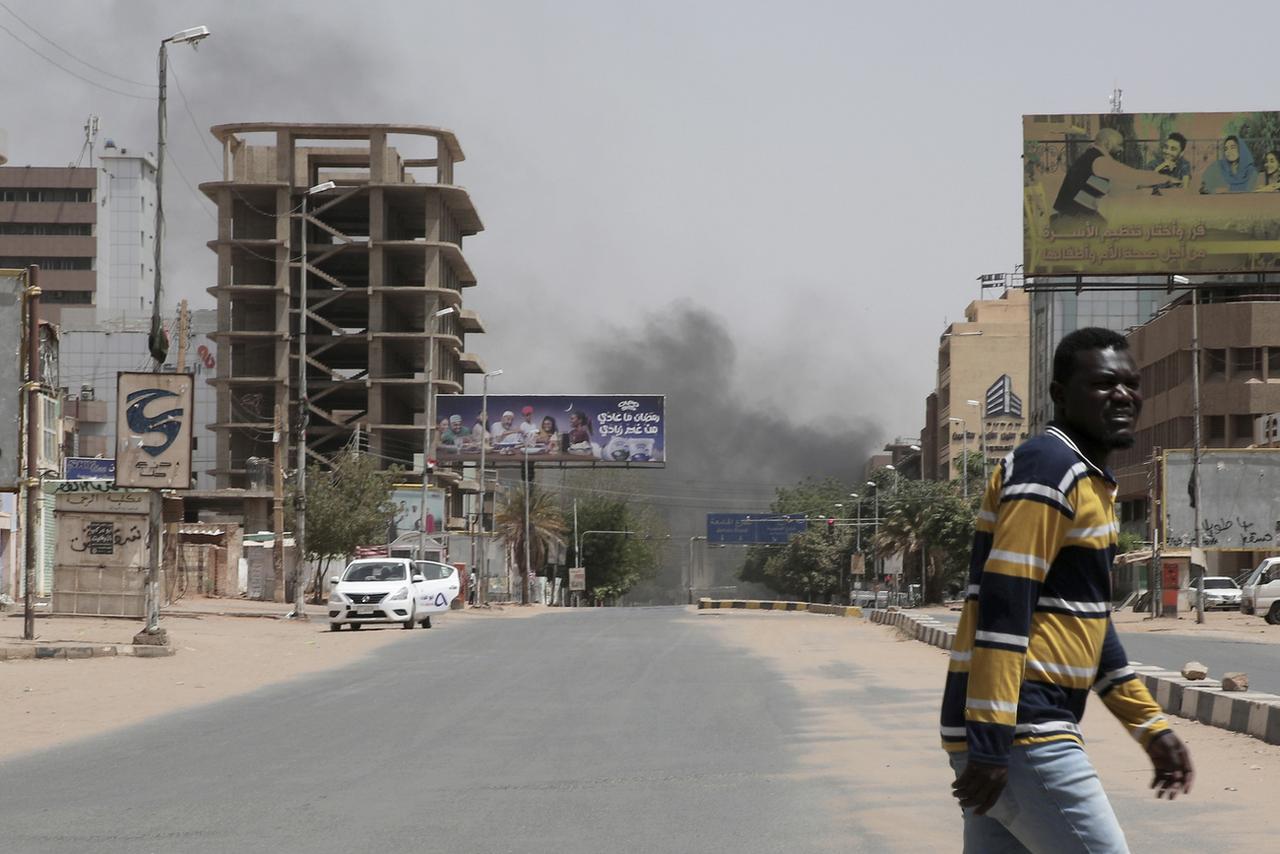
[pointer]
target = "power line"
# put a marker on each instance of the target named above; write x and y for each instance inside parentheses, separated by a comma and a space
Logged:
(194, 124)
(72, 55)
(75, 74)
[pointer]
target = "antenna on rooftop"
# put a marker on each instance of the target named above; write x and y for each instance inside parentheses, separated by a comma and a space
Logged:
(1114, 100)
(90, 136)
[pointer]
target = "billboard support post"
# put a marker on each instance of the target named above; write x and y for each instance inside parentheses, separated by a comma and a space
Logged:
(33, 437)
(1195, 429)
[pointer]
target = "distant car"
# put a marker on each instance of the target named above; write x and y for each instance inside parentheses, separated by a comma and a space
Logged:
(1262, 591)
(1219, 592)
(391, 590)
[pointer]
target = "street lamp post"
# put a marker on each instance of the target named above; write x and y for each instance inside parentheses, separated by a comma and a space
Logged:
(689, 579)
(964, 446)
(871, 484)
(481, 596)
(429, 415)
(192, 37)
(304, 415)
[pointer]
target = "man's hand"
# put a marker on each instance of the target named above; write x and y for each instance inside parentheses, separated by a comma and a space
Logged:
(979, 785)
(1172, 764)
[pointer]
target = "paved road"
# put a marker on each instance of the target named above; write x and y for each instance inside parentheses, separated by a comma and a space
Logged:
(1222, 655)
(589, 731)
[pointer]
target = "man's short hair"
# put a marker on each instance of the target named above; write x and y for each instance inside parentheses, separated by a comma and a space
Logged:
(1180, 139)
(1089, 338)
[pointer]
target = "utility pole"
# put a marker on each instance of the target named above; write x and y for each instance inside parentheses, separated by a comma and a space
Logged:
(1195, 441)
(184, 331)
(528, 568)
(33, 439)
(277, 497)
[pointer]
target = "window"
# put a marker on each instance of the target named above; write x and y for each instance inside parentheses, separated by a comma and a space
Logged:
(82, 229)
(1273, 362)
(1246, 362)
(1242, 428)
(1215, 363)
(49, 428)
(49, 263)
(45, 194)
(1215, 430)
(67, 297)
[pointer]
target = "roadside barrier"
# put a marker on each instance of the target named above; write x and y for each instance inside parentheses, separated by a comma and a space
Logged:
(765, 605)
(1200, 700)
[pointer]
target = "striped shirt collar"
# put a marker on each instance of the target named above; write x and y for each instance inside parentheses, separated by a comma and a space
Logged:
(1061, 435)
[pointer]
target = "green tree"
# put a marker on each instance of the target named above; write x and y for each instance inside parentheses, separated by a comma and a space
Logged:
(546, 527)
(614, 562)
(348, 505)
(929, 518)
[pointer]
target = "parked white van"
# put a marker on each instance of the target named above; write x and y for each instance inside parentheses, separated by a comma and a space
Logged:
(1260, 592)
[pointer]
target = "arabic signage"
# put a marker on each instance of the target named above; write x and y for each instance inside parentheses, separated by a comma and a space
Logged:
(1239, 500)
(594, 429)
(11, 364)
(753, 528)
(89, 468)
(1156, 193)
(153, 430)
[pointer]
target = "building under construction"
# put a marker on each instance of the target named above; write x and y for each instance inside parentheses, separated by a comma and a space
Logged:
(379, 254)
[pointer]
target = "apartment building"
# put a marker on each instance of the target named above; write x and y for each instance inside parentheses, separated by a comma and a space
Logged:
(982, 375)
(383, 254)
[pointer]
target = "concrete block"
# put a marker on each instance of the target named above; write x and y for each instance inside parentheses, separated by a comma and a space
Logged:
(145, 651)
(50, 652)
(79, 652)
(105, 651)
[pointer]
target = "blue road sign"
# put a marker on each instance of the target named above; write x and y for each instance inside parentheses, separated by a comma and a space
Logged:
(759, 528)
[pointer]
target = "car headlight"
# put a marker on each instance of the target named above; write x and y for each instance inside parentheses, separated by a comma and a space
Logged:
(402, 593)
(336, 598)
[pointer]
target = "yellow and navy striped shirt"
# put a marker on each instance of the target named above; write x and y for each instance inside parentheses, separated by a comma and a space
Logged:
(1035, 633)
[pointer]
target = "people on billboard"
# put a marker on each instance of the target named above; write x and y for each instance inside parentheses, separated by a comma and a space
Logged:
(1270, 173)
(1234, 172)
(505, 434)
(479, 436)
(451, 433)
(579, 433)
(547, 439)
(1172, 162)
(1094, 174)
(528, 430)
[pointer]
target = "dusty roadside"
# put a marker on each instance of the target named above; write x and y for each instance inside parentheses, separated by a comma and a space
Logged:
(47, 703)
(872, 700)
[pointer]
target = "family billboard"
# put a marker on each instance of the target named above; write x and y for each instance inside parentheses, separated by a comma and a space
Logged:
(1151, 193)
(595, 429)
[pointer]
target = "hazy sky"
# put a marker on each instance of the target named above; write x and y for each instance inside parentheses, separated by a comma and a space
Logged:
(820, 182)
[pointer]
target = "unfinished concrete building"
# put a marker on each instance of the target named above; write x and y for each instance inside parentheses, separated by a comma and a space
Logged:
(379, 253)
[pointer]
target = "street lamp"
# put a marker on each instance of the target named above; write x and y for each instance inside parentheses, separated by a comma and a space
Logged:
(982, 436)
(964, 446)
(484, 440)
(871, 484)
(304, 414)
(429, 413)
(192, 36)
(893, 469)
(1195, 430)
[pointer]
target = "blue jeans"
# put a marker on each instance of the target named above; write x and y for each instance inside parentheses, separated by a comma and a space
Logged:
(1052, 804)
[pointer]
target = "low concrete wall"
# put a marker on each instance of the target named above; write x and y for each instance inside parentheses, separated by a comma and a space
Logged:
(765, 605)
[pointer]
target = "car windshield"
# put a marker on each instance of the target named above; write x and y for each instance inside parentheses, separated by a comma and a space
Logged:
(374, 572)
(432, 571)
(1219, 584)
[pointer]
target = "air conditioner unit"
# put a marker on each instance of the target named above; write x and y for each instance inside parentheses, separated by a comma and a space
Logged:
(86, 392)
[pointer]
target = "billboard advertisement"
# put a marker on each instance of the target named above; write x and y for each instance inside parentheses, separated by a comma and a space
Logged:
(408, 518)
(753, 527)
(153, 430)
(1151, 193)
(595, 429)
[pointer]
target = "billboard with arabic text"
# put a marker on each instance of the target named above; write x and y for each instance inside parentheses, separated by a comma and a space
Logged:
(1151, 193)
(584, 429)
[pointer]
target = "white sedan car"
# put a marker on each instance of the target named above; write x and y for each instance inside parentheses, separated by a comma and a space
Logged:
(1219, 592)
(391, 590)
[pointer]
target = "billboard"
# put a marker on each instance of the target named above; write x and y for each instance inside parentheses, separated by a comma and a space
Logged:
(595, 429)
(12, 364)
(408, 519)
(153, 430)
(1239, 499)
(1151, 193)
(753, 527)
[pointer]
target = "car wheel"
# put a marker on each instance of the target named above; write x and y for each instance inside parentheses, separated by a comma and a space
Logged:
(426, 622)
(1273, 616)
(333, 627)
(413, 619)
(355, 627)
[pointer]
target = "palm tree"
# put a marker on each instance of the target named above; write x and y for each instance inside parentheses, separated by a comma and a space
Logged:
(546, 529)
(929, 517)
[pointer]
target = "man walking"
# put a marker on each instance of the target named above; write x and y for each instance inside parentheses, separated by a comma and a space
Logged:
(1036, 631)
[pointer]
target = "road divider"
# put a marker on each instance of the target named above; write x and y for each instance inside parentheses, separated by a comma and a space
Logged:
(1200, 700)
(766, 605)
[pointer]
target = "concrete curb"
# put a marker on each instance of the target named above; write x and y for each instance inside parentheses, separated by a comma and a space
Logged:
(1201, 700)
(764, 605)
(27, 652)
